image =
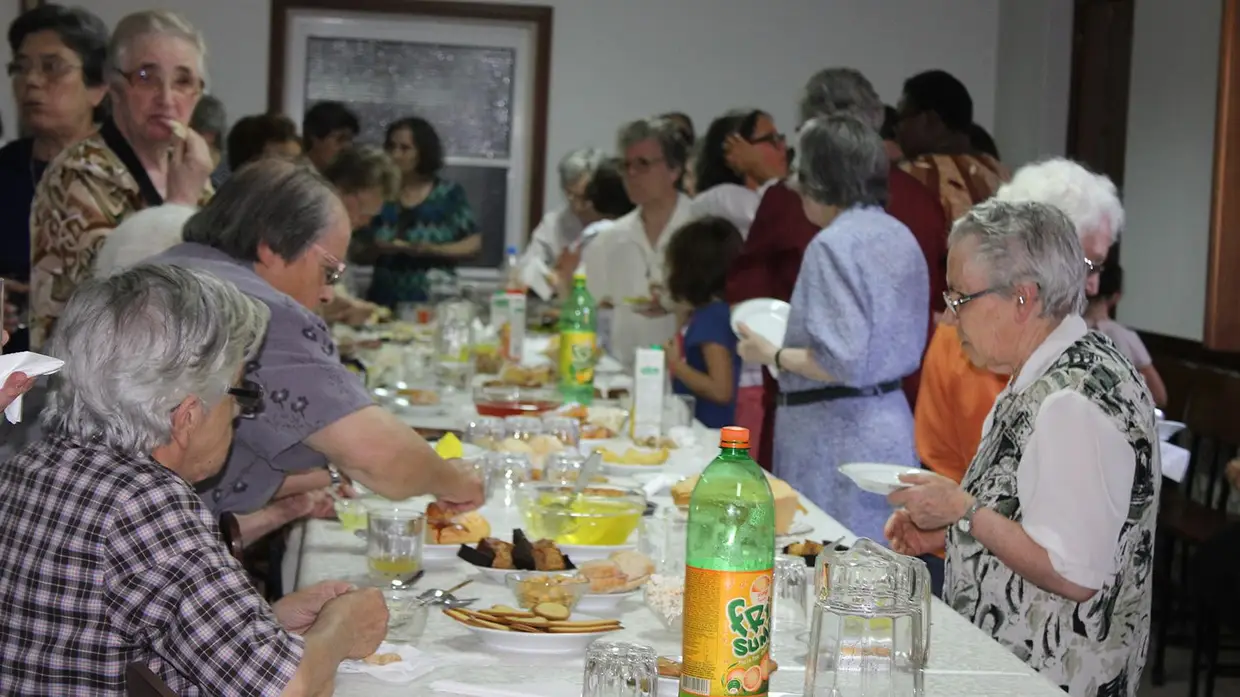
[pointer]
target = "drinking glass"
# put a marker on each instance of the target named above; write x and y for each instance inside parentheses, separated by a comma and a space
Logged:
(522, 427)
(620, 669)
(485, 432)
(563, 468)
(662, 538)
(566, 429)
(394, 544)
(453, 342)
(789, 614)
(506, 472)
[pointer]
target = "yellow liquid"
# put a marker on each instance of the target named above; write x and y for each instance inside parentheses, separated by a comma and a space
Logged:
(587, 521)
(351, 520)
(393, 568)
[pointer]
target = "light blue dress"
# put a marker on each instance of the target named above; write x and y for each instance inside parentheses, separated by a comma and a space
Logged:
(860, 306)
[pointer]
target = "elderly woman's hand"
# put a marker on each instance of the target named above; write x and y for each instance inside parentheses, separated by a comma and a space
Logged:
(753, 348)
(189, 168)
(933, 502)
(907, 538)
(16, 385)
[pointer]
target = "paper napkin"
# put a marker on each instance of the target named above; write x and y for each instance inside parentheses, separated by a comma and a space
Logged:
(413, 665)
(32, 364)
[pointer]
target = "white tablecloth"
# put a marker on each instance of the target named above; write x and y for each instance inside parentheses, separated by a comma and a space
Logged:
(963, 660)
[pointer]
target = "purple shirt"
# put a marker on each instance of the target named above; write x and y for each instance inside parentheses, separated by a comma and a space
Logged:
(305, 386)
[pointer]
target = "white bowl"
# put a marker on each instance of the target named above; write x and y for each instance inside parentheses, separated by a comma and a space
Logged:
(439, 556)
(521, 642)
(606, 604)
(581, 553)
(1168, 429)
(876, 478)
(496, 576)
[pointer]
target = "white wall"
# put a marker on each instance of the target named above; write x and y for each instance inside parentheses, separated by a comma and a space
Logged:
(614, 60)
(1168, 175)
(1035, 79)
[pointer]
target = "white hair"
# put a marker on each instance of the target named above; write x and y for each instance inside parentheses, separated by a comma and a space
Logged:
(141, 236)
(1089, 200)
(579, 163)
(138, 343)
(152, 23)
(1022, 242)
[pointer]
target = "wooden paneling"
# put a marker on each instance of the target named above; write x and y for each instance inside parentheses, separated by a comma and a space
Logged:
(539, 15)
(1098, 101)
(1222, 330)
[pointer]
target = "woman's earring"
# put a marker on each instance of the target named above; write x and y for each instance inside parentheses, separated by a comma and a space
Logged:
(1021, 300)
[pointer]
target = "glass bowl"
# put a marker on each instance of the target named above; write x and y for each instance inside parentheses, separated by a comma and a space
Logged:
(506, 400)
(601, 515)
(664, 594)
(534, 587)
(406, 616)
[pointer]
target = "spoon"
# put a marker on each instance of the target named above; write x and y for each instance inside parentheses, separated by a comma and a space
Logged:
(555, 515)
(436, 596)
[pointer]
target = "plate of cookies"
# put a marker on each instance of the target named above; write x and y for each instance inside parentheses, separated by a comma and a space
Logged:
(495, 559)
(547, 628)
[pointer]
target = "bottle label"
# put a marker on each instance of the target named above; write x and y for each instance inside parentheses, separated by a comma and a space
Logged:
(577, 358)
(727, 633)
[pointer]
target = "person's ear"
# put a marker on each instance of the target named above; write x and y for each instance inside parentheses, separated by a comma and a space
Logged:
(186, 418)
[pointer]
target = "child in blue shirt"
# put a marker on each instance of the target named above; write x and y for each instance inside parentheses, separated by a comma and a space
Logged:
(702, 358)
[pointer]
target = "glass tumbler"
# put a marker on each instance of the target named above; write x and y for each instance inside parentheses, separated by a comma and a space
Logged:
(506, 472)
(485, 432)
(620, 669)
(522, 427)
(789, 614)
(563, 468)
(394, 544)
(565, 429)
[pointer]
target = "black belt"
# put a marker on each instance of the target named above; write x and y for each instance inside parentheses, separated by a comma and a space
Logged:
(834, 392)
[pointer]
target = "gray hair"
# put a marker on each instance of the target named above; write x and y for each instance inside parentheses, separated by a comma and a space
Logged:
(1089, 200)
(842, 162)
(136, 344)
(362, 168)
(1028, 242)
(836, 90)
(284, 205)
(579, 163)
(210, 118)
(663, 131)
(147, 23)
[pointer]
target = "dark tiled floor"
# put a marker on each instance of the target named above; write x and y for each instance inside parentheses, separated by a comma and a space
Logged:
(1177, 663)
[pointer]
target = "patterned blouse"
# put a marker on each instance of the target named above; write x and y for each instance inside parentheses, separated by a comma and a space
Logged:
(444, 217)
(959, 181)
(1092, 649)
(87, 191)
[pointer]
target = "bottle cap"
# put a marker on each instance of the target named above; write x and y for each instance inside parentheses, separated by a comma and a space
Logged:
(656, 347)
(734, 437)
(512, 250)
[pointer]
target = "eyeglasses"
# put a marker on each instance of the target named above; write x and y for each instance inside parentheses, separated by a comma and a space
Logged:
(50, 67)
(774, 138)
(640, 165)
(333, 269)
(1094, 266)
(954, 303)
(150, 79)
(249, 398)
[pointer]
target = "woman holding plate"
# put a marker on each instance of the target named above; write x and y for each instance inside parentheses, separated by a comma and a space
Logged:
(856, 328)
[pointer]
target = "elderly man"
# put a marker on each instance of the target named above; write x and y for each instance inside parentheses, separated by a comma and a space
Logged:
(278, 231)
(560, 228)
(129, 566)
(771, 259)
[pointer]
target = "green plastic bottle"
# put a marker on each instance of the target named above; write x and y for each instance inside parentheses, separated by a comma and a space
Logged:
(578, 341)
(729, 576)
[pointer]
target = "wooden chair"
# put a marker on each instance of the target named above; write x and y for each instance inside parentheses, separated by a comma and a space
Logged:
(230, 533)
(140, 681)
(1194, 511)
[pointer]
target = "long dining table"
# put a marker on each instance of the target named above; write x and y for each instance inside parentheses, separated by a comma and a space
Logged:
(963, 660)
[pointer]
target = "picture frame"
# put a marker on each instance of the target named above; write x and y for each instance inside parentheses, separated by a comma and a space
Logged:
(28, 5)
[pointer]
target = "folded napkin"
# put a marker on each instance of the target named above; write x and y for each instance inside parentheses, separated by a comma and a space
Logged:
(1174, 461)
(31, 364)
(453, 687)
(413, 665)
(658, 484)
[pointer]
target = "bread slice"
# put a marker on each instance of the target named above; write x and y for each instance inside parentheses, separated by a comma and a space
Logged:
(632, 564)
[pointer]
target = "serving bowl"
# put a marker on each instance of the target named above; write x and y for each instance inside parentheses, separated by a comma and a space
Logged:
(536, 587)
(600, 515)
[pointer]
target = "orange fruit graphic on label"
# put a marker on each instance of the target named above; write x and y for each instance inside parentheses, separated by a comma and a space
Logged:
(766, 667)
(760, 589)
(735, 680)
(753, 679)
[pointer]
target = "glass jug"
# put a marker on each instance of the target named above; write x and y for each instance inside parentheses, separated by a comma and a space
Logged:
(871, 626)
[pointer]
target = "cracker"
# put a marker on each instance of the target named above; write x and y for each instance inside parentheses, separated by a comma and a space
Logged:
(552, 611)
(582, 623)
(381, 659)
(489, 625)
(179, 129)
(525, 628)
(584, 630)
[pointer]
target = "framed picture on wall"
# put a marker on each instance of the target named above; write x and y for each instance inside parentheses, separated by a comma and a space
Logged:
(28, 5)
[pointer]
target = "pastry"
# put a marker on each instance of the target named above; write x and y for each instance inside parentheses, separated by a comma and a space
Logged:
(787, 502)
(604, 576)
(548, 557)
(445, 529)
(501, 553)
(633, 564)
(381, 659)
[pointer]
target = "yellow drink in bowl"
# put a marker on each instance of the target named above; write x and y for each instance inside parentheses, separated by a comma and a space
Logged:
(586, 520)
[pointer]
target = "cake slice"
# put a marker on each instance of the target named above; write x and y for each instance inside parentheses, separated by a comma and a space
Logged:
(787, 502)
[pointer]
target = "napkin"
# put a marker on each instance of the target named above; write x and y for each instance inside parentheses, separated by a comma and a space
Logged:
(453, 687)
(534, 276)
(414, 665)
(658, 484)
(1174, 461)
(31, 364)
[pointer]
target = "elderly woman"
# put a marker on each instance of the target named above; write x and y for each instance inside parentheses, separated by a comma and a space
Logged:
(57, 72)
(856, 328)
(145, 156)
(143, 410)
(626, 261)
(1050, 536)
(560, 228)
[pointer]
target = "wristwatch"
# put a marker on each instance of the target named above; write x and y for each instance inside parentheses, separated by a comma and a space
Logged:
(965, 524)
(778, 363)
(335, 475)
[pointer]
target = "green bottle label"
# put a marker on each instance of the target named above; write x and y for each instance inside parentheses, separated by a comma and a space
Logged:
(577, 358)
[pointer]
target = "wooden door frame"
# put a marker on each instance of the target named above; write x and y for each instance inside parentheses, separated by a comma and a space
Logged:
(1222, 322)
(539, 15)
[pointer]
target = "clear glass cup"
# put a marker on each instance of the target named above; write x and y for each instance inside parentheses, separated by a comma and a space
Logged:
(351, 513)
(564, 428)
(620, 669)
(394, 544)
(417, 363)
(485, 432)
(789, 614)
(454, 340)
(662, 538)
(522, 427)
(506, 472)
(563, 468)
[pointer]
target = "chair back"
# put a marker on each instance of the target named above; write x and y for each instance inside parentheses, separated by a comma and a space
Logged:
(140, 681)
(230, 533)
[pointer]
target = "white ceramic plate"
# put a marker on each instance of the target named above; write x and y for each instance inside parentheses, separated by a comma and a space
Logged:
(631, 470)
(439, 556)
(876, 478)
(605, 603)
(1168, 429)
(520, 642)
(580, 553)
(469, 450)
(799, 528)
(767, 317)
(495, 576)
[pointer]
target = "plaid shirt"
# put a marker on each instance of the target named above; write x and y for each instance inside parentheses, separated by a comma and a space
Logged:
(108, 559)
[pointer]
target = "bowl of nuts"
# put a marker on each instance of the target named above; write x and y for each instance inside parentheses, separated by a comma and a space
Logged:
(536, 587)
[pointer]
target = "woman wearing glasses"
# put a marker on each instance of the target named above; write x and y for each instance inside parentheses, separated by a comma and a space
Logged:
(856, 329)
(57, 74)
(1050, 536)
(144, 156)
